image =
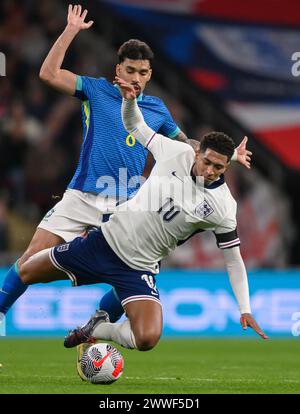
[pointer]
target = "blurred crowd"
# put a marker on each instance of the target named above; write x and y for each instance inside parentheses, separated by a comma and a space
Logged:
(37, 145)
(40, 136)
(40, 129)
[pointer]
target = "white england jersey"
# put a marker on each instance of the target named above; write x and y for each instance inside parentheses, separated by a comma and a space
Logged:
(169, 208)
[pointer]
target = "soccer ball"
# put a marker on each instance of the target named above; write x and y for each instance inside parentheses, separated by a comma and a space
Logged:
(102, 363)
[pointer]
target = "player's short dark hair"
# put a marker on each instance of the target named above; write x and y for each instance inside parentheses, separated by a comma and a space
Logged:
(136, 50)
(219, 142)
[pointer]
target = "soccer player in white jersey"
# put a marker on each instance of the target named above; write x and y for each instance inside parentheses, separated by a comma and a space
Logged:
(106, 147)
(185, 193)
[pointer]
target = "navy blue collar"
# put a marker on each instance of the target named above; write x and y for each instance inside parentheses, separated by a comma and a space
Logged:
(216, 183)
(213, 185)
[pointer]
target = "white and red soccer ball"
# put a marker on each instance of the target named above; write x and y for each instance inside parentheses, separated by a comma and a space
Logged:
(102, 363)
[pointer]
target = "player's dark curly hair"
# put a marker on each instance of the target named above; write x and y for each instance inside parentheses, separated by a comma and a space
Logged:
(136, 50)
(219, 142)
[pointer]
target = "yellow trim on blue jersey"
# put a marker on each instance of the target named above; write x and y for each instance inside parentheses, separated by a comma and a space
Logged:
(86, 109)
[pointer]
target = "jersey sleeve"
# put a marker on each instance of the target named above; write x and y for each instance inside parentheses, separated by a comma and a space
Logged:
(227, 240)
(164, 148)
(85, 87)
(226, 232)
(169, 128)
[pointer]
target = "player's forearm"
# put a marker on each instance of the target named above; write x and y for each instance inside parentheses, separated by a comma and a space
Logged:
(134, 122)
(52, 64)
(238, 278)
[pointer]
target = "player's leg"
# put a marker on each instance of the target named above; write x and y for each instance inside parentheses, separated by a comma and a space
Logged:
(141, 330)
(40, 269)
(42, 239)
(146, 321)
(64, 222)
(13, 287)
(96, 262)
(111, 304)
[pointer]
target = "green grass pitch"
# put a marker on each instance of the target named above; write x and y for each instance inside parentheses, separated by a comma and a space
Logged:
(186, 366)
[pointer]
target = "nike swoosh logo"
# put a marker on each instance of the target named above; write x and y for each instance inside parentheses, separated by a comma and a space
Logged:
(97, 364)
(174, 174)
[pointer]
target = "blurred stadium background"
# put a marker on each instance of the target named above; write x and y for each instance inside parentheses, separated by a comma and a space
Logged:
(218, 65)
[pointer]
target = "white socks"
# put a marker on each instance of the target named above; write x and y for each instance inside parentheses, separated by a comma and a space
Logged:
(120, 333)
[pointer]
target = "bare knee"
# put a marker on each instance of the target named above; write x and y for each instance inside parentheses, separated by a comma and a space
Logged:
(42, 239)
(146, 322)
(147, 339)
(25, 269)
(24, 273)
(31, 250)
(26, 255)
(38, 269)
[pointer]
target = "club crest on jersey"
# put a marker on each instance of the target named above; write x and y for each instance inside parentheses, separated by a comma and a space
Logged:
(63, 247)
(203, 210)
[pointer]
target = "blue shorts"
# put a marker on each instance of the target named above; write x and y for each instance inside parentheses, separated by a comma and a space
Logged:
(88, 260)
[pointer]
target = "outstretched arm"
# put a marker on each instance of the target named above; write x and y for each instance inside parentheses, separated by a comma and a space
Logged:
(239, 282)
(132, 117)
(241, 154)
(160, 146)
(51, 72)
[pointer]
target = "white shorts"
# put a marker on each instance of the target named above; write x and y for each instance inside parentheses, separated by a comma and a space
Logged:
(76, 212)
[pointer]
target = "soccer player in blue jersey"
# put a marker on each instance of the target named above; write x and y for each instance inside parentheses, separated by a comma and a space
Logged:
(111, 161)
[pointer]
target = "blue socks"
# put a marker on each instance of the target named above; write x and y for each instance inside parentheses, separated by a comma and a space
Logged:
(112, 305)
(12, 289)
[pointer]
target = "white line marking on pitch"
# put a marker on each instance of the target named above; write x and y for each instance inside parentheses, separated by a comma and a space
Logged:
(37, 376)
(164, 378)
(206, 379)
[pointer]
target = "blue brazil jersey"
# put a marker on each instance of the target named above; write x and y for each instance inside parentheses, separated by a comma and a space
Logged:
(111, 160)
